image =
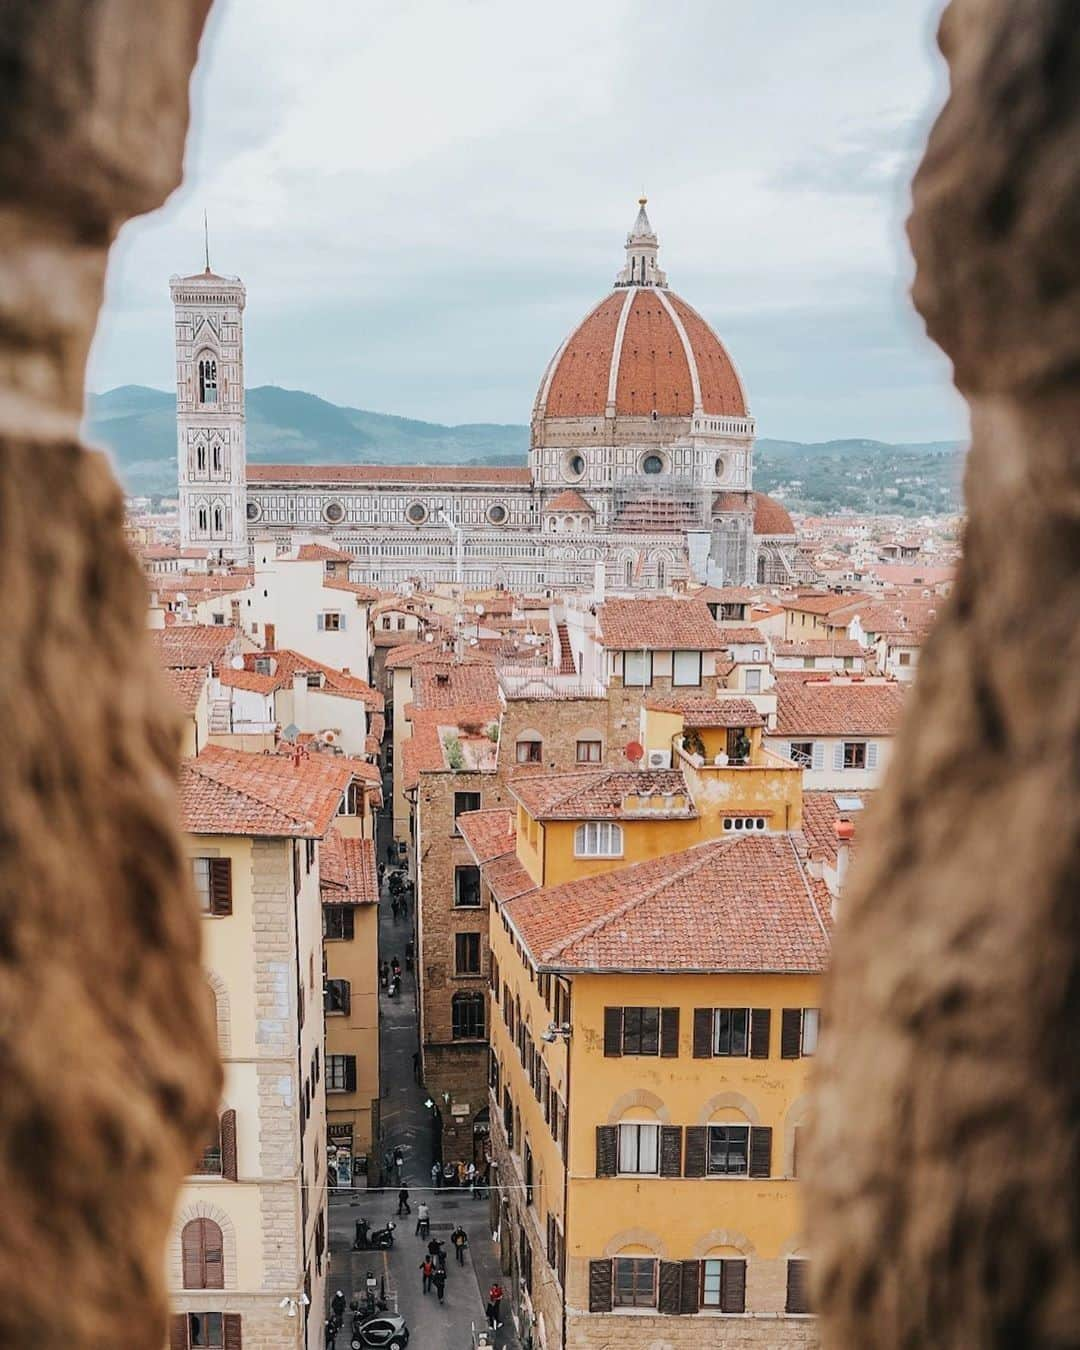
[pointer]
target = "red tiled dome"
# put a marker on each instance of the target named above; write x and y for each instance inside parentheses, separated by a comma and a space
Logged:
(641, 350)
(770, 517)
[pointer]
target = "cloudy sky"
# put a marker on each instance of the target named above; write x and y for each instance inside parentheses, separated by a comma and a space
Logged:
(424, 196)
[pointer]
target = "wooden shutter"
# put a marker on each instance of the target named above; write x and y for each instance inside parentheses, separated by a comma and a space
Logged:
(178, 1332)
(613, 1020)
(220, 885)
(798, 1287)
(669, 1297)
(607, 1150)
(350, 1073)
(761, 1150)
(191, 1257)
(551, 1240)
(599, 1286)
(697, 1139)
(733, 1286)
(341, 622)
(817, 756)
(690, 1291)
(345, 990)
(838, 755)
(703, 1021)
(795, 1133)
(669, 1033)
(233, 1332)
(670, 1150)
(760, 1027)
(871, 754)
(320, 622)
(790, 1033)
(202, 1255)
(348, 921)
(228, 1145)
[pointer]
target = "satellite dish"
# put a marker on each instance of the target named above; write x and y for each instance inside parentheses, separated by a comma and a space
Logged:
(291, 732)
(237, 663)
(429, 637)
(479, 608)
(635, 751)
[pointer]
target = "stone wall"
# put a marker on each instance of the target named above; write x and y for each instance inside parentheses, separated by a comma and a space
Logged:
(637, 1331)
(110, 1073)
(263, 1325)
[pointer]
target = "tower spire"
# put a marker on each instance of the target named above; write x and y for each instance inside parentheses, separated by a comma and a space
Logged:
(642, 246)
(206, 240)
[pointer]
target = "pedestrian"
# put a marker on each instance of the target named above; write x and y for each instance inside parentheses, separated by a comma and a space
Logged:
(423, 1218)
(461, 1174)
(427, 1270)
(392, 987)
(384, 973)
(410, 952)
(449, 1173)
(403, 1206)
(399, 1161)
(460, 1240)
(436, 1174)
(494, 1303)
(416, 1065)
(439, 1281)
(395, 968)
(382, 873)
(470, 1177)
(437, 1252)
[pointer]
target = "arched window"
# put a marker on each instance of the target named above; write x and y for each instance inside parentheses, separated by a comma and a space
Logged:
(628, 572)
(467, 1014)
(216, 457)
(219, 520)
(598, 839)
(200, 457)
(661, 573)
(208, 380)
(201, 517)
(202, 1248)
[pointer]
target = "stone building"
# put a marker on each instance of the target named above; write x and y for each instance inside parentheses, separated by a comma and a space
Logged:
(640, 468)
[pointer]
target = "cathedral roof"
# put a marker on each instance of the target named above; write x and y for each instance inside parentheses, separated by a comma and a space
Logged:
(769, 516)
(569, 501)
(422, 475)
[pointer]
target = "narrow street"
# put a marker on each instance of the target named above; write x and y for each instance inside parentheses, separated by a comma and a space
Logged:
(407, 1124)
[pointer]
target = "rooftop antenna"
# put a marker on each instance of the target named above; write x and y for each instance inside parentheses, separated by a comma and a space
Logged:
(206, 240)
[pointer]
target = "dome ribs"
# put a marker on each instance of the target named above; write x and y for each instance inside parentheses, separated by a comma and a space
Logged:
(654, 374)
(579, 384)
(721, 390)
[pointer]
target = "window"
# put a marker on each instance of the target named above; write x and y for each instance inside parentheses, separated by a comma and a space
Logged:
(209, 1164)
(799, 1029)
(215, 457)
(641, 1031)
(798, 1287)
(337, 923)
(341, 1073)
(219, 520)
(465, 801)
(529, 751)
(466, 953)
(903, 658)
(352, 803)
(652, 464)
(213, 884)
(200, 457)
(208, 390)
(337, 998)
(590, 752)
(416, 513)
(686, 668)
(263, 666)
(639, 1148)
(598, 839)
(386, 621)
(206, 1329)
(753, 681)
(634, 1284)
(331, 621)
(744, 823)
(731, 1031)
(313, 679)
(202, 1252)
(811, 1019)
(528, 1170)
(723, 1285)
(729, 1150)
(467, 887)
(309, 854)
(802, 753)
(467, 1014)
(637, 669)
(854, 754)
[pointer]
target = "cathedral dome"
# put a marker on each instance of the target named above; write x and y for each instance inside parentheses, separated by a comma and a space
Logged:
(641, 351)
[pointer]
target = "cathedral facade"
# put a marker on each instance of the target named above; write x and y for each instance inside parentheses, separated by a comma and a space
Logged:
(639, 475)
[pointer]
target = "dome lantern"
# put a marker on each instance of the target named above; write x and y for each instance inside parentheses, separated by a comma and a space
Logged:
(642, 246)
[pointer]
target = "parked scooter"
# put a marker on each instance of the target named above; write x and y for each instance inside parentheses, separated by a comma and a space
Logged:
(373, 1239)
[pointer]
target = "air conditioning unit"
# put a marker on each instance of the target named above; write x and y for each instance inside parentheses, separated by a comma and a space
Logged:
(658, 759)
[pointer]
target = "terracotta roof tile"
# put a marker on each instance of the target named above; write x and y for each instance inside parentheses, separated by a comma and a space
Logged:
(347, 871)
(806, 708)
(507, 878)
(288, 663)
(569, 500)
(770, 517)
(321, 553)
(657, 625)
(195, 645)
(450, 683)
(186, 686)
(434, 476)
(489, 834)
(818, 647)
(356, 588)
(699, 710)
(730, 636)
(232, 792)
(731, 905)
(595, 793)
(653, 369)
(721, 390)
(820, 813)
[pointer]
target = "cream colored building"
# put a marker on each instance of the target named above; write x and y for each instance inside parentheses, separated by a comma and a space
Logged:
(248, 1255)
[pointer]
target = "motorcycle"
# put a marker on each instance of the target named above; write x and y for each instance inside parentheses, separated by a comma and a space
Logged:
(373, 1239)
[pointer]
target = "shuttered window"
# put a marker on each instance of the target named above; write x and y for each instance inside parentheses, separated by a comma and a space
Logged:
(202, 1251)
(799, 1029)
(189, 1331)
(337, 996)
(731, 1031)
(341, 1073)
(338, 923)
(798, 1287)
(213, 884)
(641, 1031)
(723, 1285)
(634, 1282)
(639, 1149)
(729, 1150)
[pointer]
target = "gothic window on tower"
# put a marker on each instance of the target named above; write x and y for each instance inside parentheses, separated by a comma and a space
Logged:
(200, 457)
(208, 388)
(201, 517)
(219, 520)
(215, 457)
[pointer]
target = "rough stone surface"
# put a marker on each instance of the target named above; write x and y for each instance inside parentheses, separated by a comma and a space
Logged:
(107, 1053)
(942, 1184)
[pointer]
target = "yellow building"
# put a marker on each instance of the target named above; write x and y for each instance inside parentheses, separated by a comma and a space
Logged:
(350, 900)
(657, 941)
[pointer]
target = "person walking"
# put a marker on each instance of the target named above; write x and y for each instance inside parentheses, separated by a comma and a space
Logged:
(437, 1252)
(384, 973)
(423, 1219)
(470, 1177)
(382, 873)
(494, 1303)
(416, 1065)
(449, 1174)
(427, 1272)
(436, 1175)
(460, 1239)
(399, 1162)
(410, 952)
(395, 968)
(439, 1281)
(403, 1206)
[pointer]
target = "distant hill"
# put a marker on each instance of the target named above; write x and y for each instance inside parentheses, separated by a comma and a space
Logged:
(137, 426)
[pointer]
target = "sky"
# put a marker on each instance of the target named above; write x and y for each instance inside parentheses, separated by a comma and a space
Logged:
(423, 197)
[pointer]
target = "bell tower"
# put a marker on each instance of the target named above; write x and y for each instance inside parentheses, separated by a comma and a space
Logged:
(210, 420)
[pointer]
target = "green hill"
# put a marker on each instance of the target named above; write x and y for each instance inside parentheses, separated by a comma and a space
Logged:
(137, 426)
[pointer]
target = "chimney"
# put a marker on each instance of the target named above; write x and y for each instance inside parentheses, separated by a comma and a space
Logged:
(845, 833)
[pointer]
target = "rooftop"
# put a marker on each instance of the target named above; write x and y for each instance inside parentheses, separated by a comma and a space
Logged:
(699, 710)
(347, 871)
(489, 834)
(812, 708)
(657, 625)
(194, 645)
(232, 792)
(594, 793)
